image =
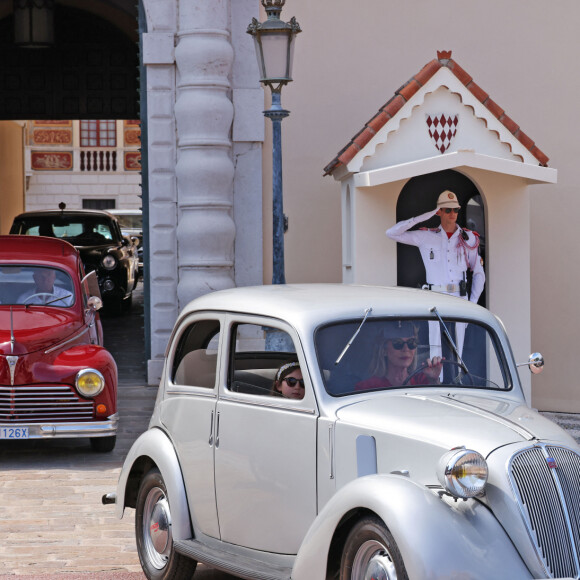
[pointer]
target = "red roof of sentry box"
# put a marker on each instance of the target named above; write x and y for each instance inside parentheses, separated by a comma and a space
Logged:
(392, 107)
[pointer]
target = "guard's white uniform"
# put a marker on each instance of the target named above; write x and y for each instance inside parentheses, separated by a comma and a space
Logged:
(446, 259)
(446, 262)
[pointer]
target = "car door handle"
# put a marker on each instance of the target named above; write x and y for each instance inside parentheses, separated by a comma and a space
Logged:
(211, 430)
(217, 430)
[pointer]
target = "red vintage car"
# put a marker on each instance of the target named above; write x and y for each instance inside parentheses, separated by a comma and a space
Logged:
(56, 378)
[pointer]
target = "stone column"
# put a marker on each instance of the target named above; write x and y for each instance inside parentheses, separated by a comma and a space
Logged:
(204, 170)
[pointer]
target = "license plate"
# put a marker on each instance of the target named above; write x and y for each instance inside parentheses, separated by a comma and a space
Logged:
(14, 433)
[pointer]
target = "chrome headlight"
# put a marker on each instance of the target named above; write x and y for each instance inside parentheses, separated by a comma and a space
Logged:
(109, 262)
(89, 382)
(463, 472)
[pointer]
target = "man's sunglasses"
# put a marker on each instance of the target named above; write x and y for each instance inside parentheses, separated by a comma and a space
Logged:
(292, 381)
(399, 343)
(451, 209)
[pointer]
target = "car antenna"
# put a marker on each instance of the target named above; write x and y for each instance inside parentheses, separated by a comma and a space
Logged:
(62, 206)
(367, 312)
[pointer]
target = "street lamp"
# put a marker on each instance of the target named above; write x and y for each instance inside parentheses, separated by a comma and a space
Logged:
(274, 43)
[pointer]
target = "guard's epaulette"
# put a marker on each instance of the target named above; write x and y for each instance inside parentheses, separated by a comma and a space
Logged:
(471, 232)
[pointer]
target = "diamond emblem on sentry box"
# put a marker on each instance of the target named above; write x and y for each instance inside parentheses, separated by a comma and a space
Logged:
(442, 129)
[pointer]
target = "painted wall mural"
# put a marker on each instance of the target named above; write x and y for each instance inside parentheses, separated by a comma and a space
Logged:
(51, 161)
(132, 160)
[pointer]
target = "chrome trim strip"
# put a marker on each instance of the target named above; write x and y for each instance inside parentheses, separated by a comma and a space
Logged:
(217, 430)
(520, 504)
(256, 403)
(210, 442)
(178, 390)
(58, 430)
(563, 501)
(12, 337)
(331, 449)
(535, 541)
(65, 342)
(12, 361)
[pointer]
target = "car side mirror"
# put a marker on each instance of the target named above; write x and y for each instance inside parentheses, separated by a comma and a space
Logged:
(135, 240)
(94, 303)
(535, 362)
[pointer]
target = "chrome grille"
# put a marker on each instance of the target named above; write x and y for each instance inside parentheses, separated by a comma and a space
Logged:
(43, 403)
(547, 480)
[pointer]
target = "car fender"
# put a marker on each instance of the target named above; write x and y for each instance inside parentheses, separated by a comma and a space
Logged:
(437, 537)
(157, 448)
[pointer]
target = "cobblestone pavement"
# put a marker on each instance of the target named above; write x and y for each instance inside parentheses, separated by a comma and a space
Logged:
(52, 522)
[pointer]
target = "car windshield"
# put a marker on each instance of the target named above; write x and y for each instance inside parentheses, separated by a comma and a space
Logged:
(34, 285)
(403, 353)
(78, 230)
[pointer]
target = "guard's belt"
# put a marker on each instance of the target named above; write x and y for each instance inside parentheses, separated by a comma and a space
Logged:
(443, 288)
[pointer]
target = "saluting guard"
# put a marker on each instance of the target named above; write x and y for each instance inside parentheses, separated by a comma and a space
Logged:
(448, 253)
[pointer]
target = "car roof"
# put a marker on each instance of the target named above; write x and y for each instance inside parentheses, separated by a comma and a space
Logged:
(65, 212)
(309, 305)
(126, 211)
(38, 250)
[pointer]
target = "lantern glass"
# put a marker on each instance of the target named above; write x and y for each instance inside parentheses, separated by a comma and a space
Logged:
(274, 50)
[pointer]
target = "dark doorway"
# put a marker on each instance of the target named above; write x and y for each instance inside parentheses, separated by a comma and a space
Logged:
(91, 72)
(419, 196)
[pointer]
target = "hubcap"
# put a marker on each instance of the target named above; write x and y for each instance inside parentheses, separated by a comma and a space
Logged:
(157, 538)
(373, 562)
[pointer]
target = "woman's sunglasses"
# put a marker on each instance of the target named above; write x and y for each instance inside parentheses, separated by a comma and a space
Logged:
(292, 381)
(451, 209)
(399, 343)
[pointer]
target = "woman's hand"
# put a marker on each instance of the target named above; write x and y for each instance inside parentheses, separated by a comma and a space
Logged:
(433, 367)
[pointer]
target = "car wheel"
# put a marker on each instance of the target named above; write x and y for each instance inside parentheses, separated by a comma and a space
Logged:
(370, 551)
(158, 557)
(103, 444)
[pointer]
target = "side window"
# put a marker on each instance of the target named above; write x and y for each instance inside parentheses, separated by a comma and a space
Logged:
(195, 362)
(257, 353)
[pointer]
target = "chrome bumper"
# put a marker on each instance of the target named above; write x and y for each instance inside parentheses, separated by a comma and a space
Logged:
(106, 428)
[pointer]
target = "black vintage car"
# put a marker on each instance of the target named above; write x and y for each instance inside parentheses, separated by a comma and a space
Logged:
(103, 248)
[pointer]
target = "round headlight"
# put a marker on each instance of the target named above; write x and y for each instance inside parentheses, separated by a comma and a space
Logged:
(89, 382)
(109, 262)
(463, 472)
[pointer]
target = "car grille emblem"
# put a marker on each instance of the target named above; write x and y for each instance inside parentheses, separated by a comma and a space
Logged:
(551, 462)
(12, 360)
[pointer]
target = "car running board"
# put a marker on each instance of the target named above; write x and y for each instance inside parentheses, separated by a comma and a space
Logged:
(231, 562)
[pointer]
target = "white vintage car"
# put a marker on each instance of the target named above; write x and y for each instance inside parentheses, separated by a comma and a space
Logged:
(409, 451)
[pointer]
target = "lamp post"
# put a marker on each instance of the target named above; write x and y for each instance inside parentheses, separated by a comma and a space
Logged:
(274, 43)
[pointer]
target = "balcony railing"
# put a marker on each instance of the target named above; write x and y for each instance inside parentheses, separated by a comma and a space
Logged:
(98, 160)
(101, 160)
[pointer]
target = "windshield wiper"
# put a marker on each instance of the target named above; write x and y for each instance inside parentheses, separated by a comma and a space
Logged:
(58, 299)
(367, 312)
(448, 336)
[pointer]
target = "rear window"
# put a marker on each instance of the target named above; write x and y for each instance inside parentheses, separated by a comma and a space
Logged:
(78, 231)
